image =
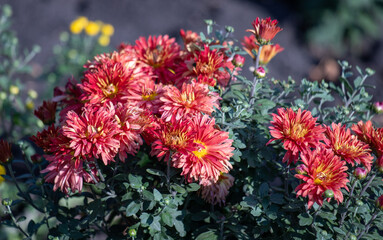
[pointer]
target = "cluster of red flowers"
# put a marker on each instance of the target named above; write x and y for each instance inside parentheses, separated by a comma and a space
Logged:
(154, 91)
(324, 151)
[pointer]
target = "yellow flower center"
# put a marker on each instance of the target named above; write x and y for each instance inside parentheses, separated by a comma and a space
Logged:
(110, 91)
(176, 138)
(320, 178)
(202, 151)
(149, 96)
(154, 57)
(298, 130)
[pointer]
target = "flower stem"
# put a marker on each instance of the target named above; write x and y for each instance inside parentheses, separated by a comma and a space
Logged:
(367, 185)
(367, 228)
(255, 80)
(22, 193)
(343, 216)
(9, 210)
(168, 170)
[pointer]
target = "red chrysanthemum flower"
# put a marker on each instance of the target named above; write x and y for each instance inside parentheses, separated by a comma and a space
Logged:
(67, 173)
(216, 193)
(68, 99)
(94, 133)
(377, 143)
(265, 29)
(268, 51)
(159, 54)
(210, 81)
(172, 137)
(47, 139)
(364, 131)
(298, 131)
(211, 158)
(47, 112)
(347, 146)
(191, 99)
(108, 82)
(323, 171)
(130, 119)
(5, 152)
(207, 62)
(191, 40)
(148, 95)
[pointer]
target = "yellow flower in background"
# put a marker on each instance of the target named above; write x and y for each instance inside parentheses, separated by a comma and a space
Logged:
(93, 28)
(32, 93)
(2, 172)
(14, 89)
(107, 29)
(104, 40)
(78, 25)
(29, 105)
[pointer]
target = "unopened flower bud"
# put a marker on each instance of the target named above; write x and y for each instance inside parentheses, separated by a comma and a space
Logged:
(353, 237)
(36, 158)
(260, 72)
(238, 60)
(360, 173)
(379, 202)
(6, 153)
(328, 193)
(132, 232)
(378, 107)
(7, 202)
(300, 169)
(359, 203)
(39, 181)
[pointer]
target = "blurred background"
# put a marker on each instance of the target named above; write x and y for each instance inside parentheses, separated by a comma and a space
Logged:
(316, 33)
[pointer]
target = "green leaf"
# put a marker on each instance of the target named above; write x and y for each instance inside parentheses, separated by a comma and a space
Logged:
(256, 212)
(265, 104)
(167, 218)
(157, 195)
(178, 188)
(127, 196)
(21, 219)
(135, 181)
(132, 208)
(146, 218)
(155, 225)
(327, 215)
(338, 230)
(192, 187)
(305, 219)
(277, 198)
(264, 190)
(348, 86)
(148, 195)
(155, 172)
(209, 235)
(180, 228)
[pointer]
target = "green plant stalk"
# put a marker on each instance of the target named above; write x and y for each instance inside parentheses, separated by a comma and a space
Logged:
(255, 80)
(22, 193)
(9, 210)
(367, 185)
(168, 170)
(367, 228)
(343, 216)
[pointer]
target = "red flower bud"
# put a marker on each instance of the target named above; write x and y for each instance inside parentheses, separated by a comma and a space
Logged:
(360, 173)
